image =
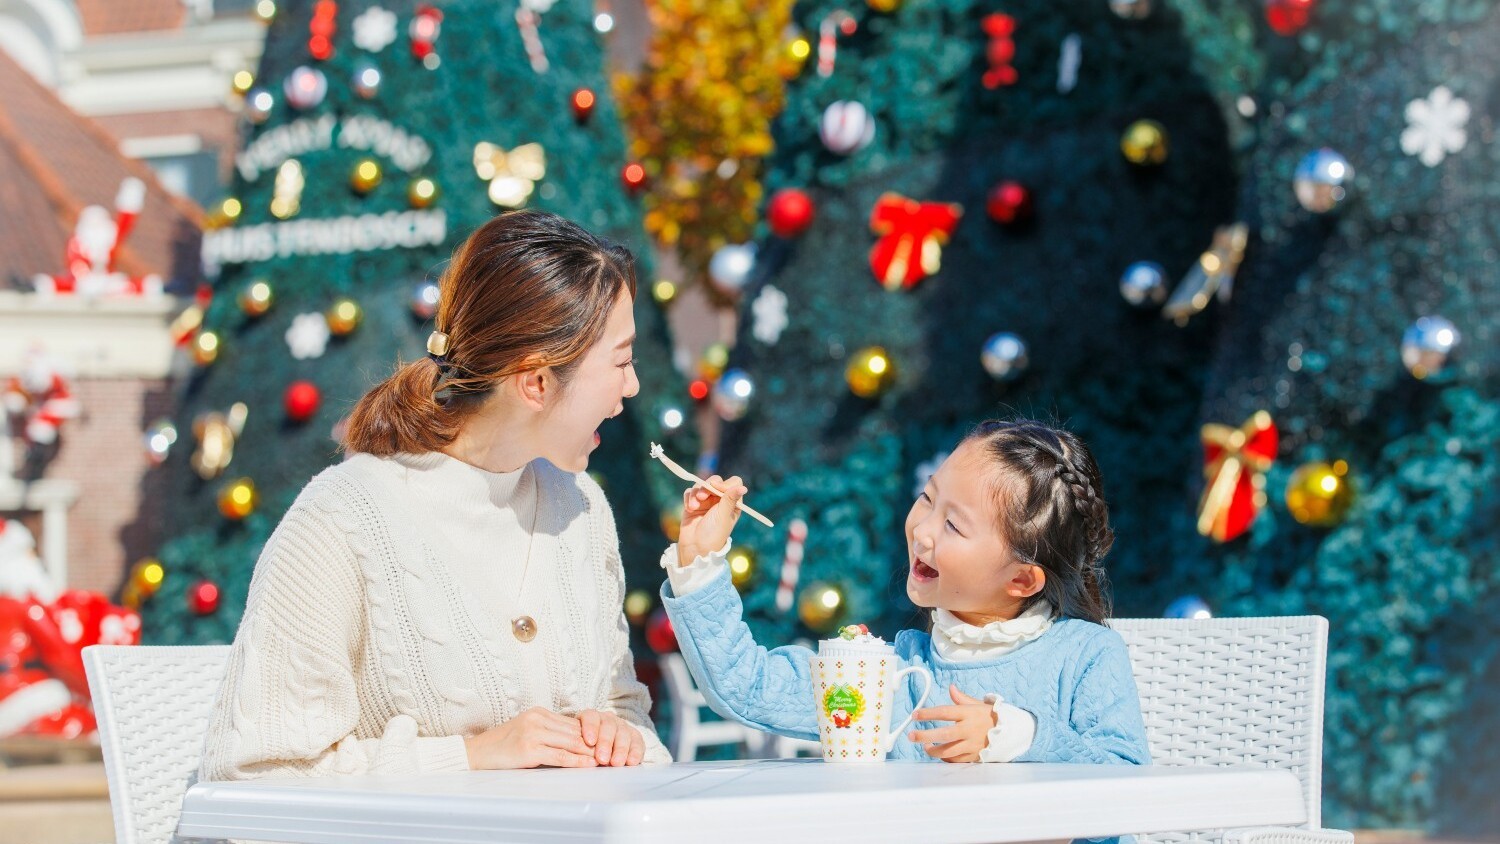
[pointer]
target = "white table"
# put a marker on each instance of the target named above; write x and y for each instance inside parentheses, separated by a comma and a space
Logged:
(775, 800)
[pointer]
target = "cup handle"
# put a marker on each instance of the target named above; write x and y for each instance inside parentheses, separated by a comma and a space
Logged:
(898, 731)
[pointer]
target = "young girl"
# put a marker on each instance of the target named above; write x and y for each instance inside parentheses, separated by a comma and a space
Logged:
(1004, 544)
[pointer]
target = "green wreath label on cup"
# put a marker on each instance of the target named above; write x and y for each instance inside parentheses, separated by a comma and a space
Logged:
(843, 705)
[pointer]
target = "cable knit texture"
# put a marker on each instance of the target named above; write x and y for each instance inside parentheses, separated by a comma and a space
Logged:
(1075, 678)
(377, 633)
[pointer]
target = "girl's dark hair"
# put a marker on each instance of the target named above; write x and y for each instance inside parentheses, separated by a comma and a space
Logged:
(526, 290)
(1052, 512)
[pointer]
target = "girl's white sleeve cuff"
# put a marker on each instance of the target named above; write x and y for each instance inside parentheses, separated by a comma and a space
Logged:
(697, 574)
(1014, 730)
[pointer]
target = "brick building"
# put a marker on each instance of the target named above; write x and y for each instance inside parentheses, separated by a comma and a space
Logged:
(91, 509)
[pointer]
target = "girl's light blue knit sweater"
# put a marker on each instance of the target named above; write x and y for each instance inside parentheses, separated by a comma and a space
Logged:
(1075, 679)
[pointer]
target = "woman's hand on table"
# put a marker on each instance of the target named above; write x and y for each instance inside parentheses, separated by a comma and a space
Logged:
(534, 738)
(614, 740)
(708, 519)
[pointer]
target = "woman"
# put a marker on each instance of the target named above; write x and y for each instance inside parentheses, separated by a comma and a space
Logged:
(449, 597)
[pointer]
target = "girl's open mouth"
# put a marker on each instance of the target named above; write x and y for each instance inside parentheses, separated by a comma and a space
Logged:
(922, 571)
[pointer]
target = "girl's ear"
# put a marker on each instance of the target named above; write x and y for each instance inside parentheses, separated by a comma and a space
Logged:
(1027, 581)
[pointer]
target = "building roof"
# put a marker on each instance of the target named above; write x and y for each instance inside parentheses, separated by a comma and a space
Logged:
(53, 162)
(114, 17)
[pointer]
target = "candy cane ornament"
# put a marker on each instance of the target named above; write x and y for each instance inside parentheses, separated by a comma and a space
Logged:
(834, 23)
(528, 17)
(791, 564)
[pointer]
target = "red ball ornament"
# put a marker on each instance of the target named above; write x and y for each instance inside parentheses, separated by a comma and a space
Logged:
(790, 212)
(634, 176)
(1009, 203)
(302, 400)
(203, 598)
(699, 389)
(659, 635)
(1289, 17)
(583, 104)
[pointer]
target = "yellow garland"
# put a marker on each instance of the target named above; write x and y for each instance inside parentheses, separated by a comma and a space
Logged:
(699, 115)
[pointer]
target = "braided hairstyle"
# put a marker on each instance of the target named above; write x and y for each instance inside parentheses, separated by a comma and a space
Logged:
(1052, 513)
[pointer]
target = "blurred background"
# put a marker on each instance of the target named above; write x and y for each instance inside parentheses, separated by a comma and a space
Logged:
(1249, 250)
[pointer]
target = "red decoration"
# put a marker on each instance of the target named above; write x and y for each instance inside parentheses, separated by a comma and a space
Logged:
(912, 235)
(302, 400)
(659, 635)
(634, 176)
(426, 25)
(1009, 203)
(1289, 17)
(91, 251)
(583, 104)
(43, 689)
(321, 29)
(1234, 462)
(203, 599)
(41, 398)
(699, 389)
(1000, 50)
(790, 212)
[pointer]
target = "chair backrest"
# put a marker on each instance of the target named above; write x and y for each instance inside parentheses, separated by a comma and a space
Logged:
(152, 705)
(1233, 691)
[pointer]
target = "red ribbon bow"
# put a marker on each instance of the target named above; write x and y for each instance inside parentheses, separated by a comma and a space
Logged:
(1234, 462)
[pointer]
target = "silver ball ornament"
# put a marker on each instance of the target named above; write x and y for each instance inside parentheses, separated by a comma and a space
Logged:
(1427, 344)
(731, 395)
(1004, 356)
(1321, 180)
(1144, 284)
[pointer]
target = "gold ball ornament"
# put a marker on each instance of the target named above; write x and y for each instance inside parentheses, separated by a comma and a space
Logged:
(742, 565)
(242, 82)
(715, 359)
(1145, 143)
(664, 292)
(671, 522)
(1319, 494)
(238, 499)
(795, 51)
(344, 317)
(421, 193)
(144, 581)
(256, 299)
(638, 606)
(870, 373)
(365, 176)
(206, 348)
(884, 6)
(821, 606)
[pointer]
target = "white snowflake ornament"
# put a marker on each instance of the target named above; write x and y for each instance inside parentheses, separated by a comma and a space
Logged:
(1435, 126)
(374, 29)
(925, 470)
(769, 309)
(308, 336)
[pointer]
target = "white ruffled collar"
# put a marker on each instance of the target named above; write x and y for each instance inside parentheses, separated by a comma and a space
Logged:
(955, 639)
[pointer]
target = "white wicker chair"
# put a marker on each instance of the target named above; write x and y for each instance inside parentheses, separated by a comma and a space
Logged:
(1236, 691)
(153, 705)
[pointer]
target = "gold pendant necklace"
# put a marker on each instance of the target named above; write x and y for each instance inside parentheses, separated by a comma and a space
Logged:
(523, 627)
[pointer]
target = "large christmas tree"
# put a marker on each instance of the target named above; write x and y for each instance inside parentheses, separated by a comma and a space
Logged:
(381, 134)
(1325, 170)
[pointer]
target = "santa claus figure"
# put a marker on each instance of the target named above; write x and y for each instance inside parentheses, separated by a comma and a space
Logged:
(22, 575)
(40, 399)
(95, 244)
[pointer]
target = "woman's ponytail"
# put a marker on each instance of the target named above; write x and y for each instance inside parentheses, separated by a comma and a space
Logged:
(403, 414)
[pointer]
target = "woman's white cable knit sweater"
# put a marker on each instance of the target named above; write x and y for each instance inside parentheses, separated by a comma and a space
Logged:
(377, 634)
